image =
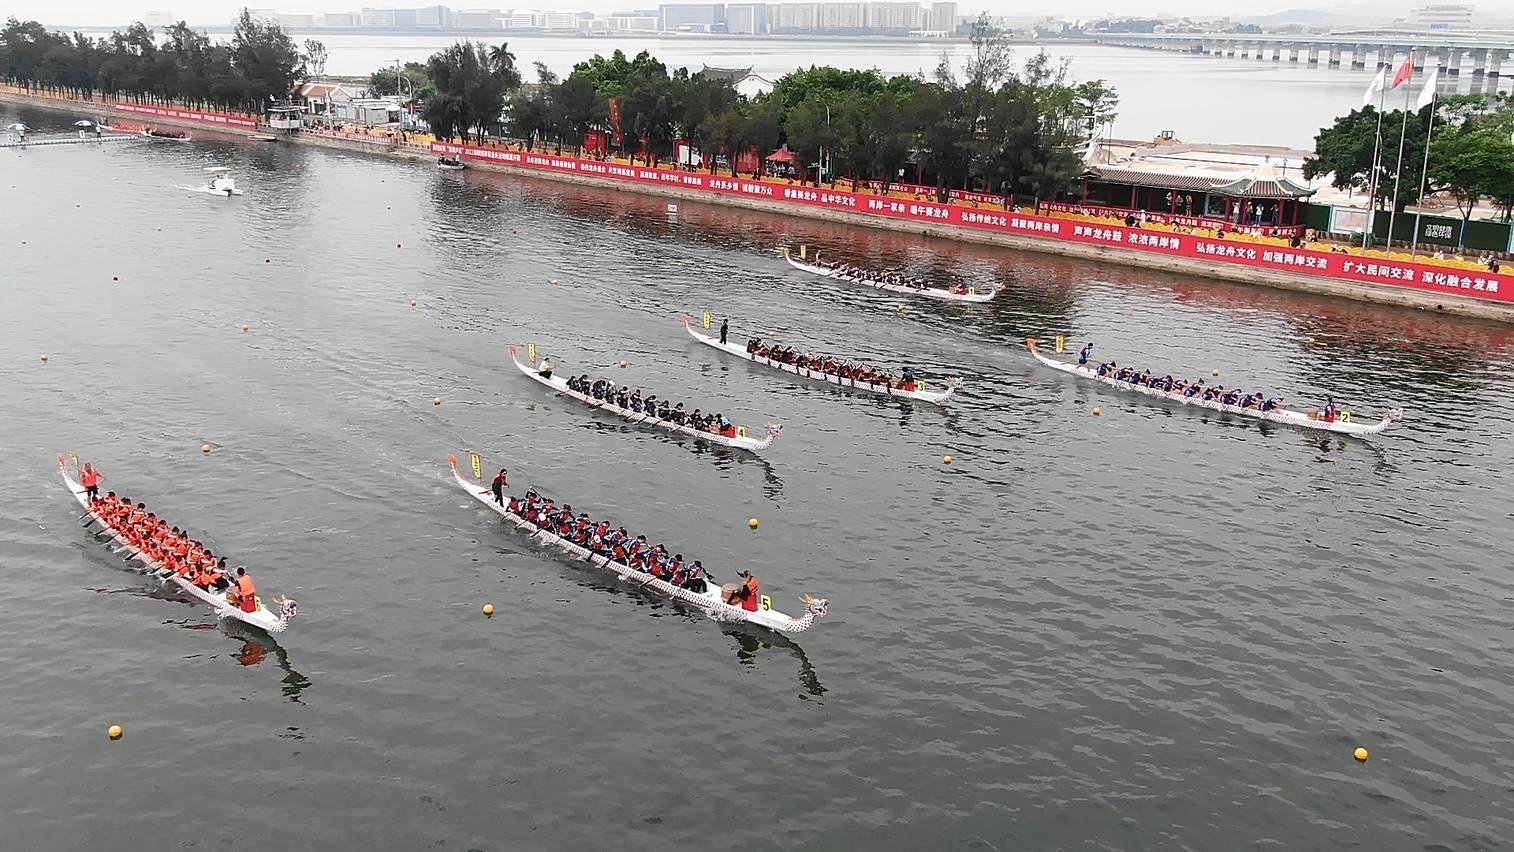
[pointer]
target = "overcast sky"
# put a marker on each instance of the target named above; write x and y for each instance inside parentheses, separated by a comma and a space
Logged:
(214, 11)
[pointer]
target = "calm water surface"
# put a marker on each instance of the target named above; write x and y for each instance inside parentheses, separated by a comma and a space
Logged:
(1153, 629)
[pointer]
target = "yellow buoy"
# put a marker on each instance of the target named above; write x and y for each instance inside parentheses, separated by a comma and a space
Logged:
(1214, 372)
(1097, 411)
(44, 357)
(623, 364)
(205, 448)
(489, 610)
(1361, 754)
(946, 460)
(752, 523)
(436, 400)
(114, 732)
(1309, 342)
(245, 327)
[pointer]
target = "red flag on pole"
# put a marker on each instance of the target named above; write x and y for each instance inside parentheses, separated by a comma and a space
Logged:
(1405, 71)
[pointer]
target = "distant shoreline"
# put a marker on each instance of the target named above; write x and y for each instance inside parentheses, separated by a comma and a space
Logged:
(410, 32)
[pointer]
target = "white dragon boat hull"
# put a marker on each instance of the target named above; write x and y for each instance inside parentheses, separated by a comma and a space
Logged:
(709, 601)
(973, 295)
(261, 618)
(560, 386)
(1281, 415)
(936, 397)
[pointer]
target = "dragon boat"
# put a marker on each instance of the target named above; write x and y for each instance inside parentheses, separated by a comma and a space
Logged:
(882, 388)
(261, 617)
(710, 601)
(1343, 425)
(958, 294)
(741, 440)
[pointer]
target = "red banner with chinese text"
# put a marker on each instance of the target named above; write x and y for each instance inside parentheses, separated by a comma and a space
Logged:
(216, 118)
(1341, 267)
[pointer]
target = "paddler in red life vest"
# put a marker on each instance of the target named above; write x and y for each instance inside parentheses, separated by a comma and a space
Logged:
(498, 486)
(907, 379)
(90, 479)
(245, 592)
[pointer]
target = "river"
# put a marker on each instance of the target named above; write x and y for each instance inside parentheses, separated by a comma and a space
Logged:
(1151, 629)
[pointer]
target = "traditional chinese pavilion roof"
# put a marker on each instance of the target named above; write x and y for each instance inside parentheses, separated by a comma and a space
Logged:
(731, 74)
(1264, 182)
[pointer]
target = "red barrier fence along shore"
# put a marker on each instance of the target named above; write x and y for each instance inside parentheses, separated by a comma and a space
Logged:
(1486, 287)
(220, 119)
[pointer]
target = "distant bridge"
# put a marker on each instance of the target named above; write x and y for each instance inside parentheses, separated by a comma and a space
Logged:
(1478, 55)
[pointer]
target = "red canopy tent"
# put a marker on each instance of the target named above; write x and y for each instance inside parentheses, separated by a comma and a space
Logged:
(782, 155)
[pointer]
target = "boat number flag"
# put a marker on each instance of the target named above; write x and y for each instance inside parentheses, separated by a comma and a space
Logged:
(478, 465)
(708, 320)
(531, 352)
(1427, 94)
(1375, 86)
(1061, 343)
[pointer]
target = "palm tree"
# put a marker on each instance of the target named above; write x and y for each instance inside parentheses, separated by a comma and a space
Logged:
(501, 60)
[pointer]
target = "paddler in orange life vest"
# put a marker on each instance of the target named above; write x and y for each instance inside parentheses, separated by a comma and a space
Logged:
(246, 594)
(745, 593)
(90, 479)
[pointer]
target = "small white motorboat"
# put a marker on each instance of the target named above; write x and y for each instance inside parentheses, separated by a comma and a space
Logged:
(449, 164)
(221, 182)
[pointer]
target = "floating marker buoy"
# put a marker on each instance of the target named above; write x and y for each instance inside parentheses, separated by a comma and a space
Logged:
(946, 460)
(114, 732)
(1309, 342)
(412, 303)
(1361, 754)
(752, 523)
(436, 400)
(1097, 411)
(488, 610)
(268, 260)
(115, 278)
(205, 448)
(397, 245)
(623, 364)
(23, 242)
(244, 328)
(1214, 372)
(44, 357)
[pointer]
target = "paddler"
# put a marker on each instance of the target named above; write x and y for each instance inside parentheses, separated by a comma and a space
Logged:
(498, 486)
(545, 369)
(90, 479)
(245, 593)
(1330, 410)
(725, 329)
(1084, 353)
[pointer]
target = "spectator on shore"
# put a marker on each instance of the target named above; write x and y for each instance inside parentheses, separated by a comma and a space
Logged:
(1493, 264)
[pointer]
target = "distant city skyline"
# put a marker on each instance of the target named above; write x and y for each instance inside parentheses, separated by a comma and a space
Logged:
(219, 12)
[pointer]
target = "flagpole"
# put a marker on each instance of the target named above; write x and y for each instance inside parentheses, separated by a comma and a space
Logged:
(1424, 178)
(1377, 147)
(1403, 135)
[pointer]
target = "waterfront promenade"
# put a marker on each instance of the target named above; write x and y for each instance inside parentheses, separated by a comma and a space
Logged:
(1442, 285)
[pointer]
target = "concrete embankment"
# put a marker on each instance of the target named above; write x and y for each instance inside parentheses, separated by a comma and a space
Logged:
(1437, 302)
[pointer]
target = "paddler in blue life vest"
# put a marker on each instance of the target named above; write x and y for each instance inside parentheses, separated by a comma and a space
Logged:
(498, 486)
(1084, 353)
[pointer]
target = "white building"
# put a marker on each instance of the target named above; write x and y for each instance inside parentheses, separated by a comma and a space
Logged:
(894, 17)
(296, 22)
(477, 19)
(266, 16)
(1443, 16)
(632, 23)
(556, 20)
(526, 19)
(433, 16)
(378, 18)
(942, 18)
(341, 19)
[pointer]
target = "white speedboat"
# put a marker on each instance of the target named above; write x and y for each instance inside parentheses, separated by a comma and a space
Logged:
(450, 164)
(221, 183)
